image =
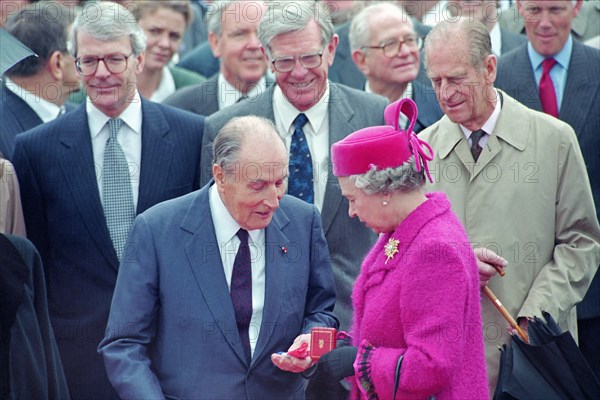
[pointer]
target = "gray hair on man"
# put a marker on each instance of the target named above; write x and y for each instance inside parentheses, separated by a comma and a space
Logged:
(293, 16)
(230, 139)
(107, 21)
(479, 44)
(360, 30)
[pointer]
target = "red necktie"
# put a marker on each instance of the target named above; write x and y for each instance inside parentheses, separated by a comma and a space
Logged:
(547, 93)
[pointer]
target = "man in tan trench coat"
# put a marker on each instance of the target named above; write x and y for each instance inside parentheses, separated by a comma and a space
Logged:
(520, 187)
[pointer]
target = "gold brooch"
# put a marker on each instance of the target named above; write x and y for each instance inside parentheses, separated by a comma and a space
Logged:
(391, 248)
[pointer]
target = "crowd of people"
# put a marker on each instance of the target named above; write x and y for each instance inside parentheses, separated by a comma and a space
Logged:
(188, 187)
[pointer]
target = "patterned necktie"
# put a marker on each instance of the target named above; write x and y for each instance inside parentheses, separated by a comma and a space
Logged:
(475, 147)
(241, 290)
(117, 197)
(547, 92)
(300, 181)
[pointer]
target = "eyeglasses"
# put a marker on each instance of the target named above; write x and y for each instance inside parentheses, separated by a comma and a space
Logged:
(393, 47)
(114, 63)
(308, 61)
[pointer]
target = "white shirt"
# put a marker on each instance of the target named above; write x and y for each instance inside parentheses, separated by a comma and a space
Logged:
(228, 94)
(408, 94)
(129, 137)
(44, 109)
(166, 86)
(439, 12)
(225, 230)
(496, 37)
(316, 131)
(488, 126)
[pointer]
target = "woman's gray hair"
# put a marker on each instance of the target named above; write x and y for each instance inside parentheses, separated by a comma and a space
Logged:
(107, 21)
(403, 178)
(293, 16)
(230, 139)
(360, 30)
(475, 33)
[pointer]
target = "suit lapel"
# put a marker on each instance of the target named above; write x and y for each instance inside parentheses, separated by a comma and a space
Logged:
(157, 154)
(340, 115)
(275, 273)
(522, 68)
(580, 88)
(25, 117)
(78, 167)
(207, 267)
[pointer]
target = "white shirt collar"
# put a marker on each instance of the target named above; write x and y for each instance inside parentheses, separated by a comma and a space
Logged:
(132, 116)
(490, 125)
(166, 86)
(496, 37)
(229, 94)
(287, 112)
(46, 110)
(225, 226)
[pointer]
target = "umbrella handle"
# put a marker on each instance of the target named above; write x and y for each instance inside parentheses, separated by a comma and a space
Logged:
(505, 313)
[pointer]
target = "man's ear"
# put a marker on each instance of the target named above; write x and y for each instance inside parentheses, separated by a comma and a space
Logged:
(54, 65)
(213, 42)
(359, 56)
(219, 175)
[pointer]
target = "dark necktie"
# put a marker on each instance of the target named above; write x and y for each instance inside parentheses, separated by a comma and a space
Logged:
(300, 181)
(241, 290)
(475, 147)
(117, 197)
(547, 92)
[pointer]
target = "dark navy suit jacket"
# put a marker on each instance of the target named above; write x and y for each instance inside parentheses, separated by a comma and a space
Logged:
(65, 220)
(15, 117)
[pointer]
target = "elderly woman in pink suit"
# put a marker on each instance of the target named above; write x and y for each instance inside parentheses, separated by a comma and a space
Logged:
(417, 330)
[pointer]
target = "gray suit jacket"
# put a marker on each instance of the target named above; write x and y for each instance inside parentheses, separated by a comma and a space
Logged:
(580, 98)
(348, 239)
(510, 40)
(202, 99)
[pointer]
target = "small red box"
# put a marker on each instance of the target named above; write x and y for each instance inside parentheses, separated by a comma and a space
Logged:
(322, 340)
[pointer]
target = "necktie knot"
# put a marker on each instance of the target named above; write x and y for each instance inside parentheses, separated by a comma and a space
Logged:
(475, 147)
(547, 65)
(300, 121)
(114, 125)
(242, 234)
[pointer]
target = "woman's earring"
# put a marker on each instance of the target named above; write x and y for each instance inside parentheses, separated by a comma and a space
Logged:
(385, 203)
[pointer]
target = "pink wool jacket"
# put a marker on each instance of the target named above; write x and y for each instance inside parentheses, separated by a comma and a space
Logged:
(423, 304)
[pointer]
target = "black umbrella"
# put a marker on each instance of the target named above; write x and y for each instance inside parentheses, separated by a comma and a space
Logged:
(549, 367)
(11, 51)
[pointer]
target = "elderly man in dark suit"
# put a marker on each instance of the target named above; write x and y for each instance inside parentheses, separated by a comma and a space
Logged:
(234, 41)
(86, 175)
(386, 48)
(35, 90)
(571, 92)
(179, 293)
(344, 70)
(310, 113)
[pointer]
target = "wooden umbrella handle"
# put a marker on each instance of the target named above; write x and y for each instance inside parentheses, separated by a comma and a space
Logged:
(505, 313)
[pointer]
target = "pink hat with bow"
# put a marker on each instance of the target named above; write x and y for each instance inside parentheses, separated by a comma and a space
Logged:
(382, 146)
